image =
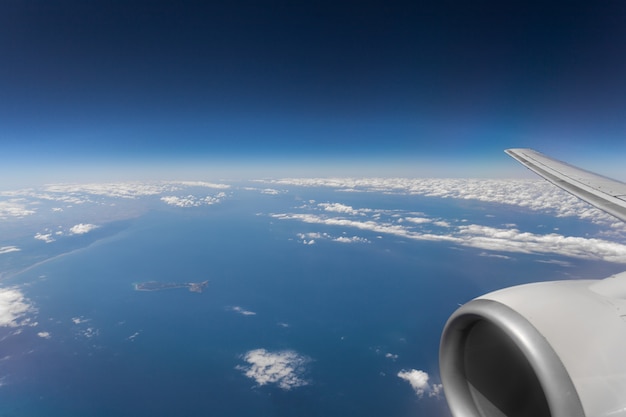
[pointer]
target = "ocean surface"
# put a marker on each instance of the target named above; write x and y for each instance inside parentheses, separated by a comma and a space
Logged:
(338, 320)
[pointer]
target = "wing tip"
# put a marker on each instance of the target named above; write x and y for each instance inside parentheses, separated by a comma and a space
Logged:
(517, 150)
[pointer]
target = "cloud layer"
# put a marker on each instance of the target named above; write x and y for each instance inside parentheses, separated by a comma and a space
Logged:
(419, 226)
(537, 195)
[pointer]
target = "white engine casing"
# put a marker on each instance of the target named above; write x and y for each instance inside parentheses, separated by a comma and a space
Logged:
(545, 349)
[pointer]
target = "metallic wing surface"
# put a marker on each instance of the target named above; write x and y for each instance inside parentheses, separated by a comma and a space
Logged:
(604, 193)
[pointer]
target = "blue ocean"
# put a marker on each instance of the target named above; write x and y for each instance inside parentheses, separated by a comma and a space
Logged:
(338, 321)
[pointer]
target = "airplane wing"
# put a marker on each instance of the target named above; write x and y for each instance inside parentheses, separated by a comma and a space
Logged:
(604, 193)
(551, 348)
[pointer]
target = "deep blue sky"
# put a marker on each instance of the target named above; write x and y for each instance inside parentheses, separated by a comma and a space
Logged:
(378, 86)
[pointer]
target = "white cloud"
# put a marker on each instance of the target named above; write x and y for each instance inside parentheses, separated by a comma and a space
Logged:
(13, 307)
(79, 320)
(15, 208)
(270, 191)
(535, 195)
(391, 356)
(418, 220)
(283, 368)
(44, 237)
(189, 201)
(44, 335)
(419, 382)
(193, 201)
(342, 208)
(89, 332)
(493, 255)
(242, 311)
(513, 240)
(312, 236)
(82, 228)
(84, 193)
(201, 184)
(133, 336)
(482, 237)
(353, 239)
(8, 249)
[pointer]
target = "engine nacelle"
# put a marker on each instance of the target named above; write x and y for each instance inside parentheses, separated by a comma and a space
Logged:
(546, 349)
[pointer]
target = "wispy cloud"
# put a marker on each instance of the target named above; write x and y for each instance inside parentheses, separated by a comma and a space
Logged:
(283, 368)
(133, 336)
(201, 184)
(419, 382)
(489, 238)
(8, 249)
(243, 311)
(79, 320)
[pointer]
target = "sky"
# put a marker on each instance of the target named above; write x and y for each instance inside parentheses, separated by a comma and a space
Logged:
(141, 89)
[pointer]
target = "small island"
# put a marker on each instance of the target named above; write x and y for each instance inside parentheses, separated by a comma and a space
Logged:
(158, 286)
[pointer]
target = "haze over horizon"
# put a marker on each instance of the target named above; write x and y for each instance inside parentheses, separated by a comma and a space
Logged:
(157, 89)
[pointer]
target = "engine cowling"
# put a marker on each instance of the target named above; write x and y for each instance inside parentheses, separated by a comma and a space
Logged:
(546, 349)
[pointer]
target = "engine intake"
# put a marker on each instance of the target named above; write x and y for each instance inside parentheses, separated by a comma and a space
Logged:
(548, 349)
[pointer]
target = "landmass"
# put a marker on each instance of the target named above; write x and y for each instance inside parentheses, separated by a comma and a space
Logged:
(158, 286)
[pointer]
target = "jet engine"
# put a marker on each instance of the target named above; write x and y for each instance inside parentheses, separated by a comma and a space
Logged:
(545, 349)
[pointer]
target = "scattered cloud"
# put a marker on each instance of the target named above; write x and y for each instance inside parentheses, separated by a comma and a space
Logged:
(488, 238)
(242, 311)
(270, 191)
(8, 249)
(353, 239)
(79, 320)
(537, 195)
(418, 220)
(193, 201)
(419, 382)
(89, 332)
(310, 238)
(82, 228)
(14, 208)
(342, 208)
(44, 335)
(283, 368)
(391, 356)
(133, 336)
(13, 308)
(47, 237)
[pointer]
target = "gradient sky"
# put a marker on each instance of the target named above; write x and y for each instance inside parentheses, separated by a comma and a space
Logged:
(417, 88)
